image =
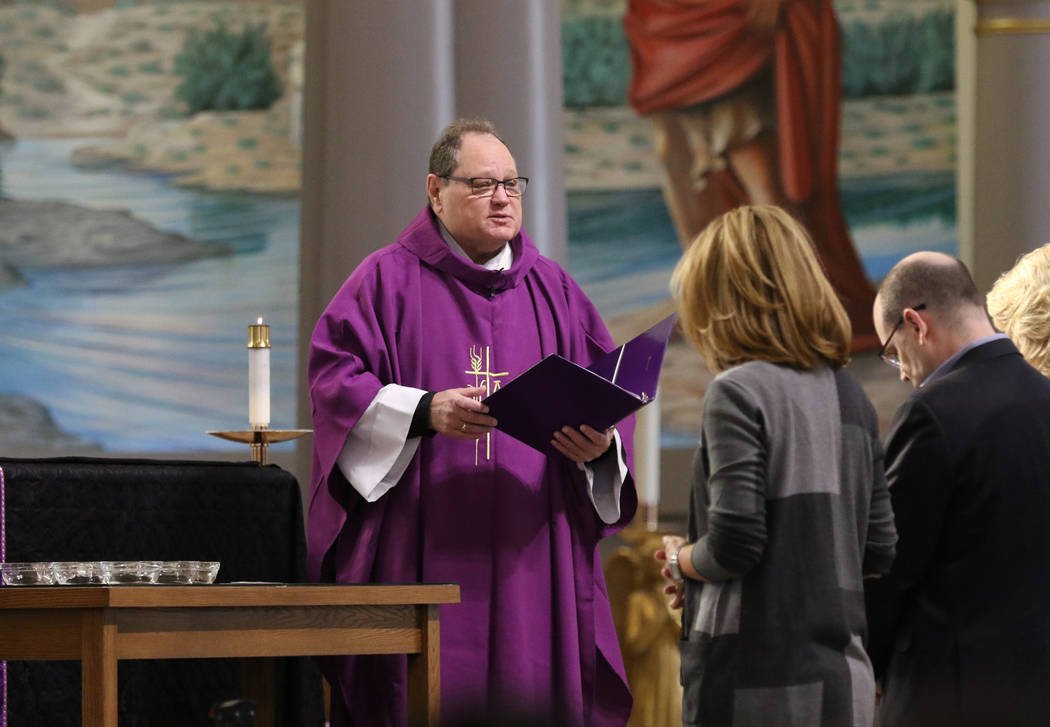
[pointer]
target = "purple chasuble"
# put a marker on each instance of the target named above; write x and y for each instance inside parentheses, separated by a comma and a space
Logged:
(514, 528)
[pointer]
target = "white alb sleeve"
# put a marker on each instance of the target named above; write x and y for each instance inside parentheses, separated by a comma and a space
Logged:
(378, 450)
(605, 478)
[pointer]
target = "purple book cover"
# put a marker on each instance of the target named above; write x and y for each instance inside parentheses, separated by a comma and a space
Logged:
(556, 391)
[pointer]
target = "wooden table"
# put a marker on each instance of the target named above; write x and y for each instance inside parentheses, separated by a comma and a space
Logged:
(99, 625)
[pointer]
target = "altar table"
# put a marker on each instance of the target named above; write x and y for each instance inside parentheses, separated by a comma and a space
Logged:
(100, 625)
(248, 517)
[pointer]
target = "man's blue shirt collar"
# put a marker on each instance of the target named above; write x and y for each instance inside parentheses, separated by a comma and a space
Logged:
(950, 362)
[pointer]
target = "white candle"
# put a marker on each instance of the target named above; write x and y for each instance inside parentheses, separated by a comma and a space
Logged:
(647, 454)
(259, 375)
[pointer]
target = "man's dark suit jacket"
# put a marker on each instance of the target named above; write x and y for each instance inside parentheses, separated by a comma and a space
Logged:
(959, 631)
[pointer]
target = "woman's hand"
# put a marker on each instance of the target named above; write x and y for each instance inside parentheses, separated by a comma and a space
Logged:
(674, 588)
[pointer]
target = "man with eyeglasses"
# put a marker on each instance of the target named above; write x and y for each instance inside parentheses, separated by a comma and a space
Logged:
(960, 627)
(413, 483)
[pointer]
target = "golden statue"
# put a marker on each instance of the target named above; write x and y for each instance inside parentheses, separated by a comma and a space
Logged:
(647, 628)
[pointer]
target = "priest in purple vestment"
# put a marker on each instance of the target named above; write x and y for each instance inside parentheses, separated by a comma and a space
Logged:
(412, 482)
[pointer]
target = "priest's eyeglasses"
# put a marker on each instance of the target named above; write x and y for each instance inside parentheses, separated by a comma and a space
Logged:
(486, 186)
(892, 358)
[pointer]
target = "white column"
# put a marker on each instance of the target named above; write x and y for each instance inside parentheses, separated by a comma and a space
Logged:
(379, 88)
(1006, 182)
(508, 68)
(647, 462)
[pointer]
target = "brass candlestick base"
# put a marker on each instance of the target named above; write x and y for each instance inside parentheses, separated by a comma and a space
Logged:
(260, 439)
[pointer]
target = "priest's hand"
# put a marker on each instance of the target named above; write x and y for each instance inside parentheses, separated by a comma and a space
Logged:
(762, 16)
(460, 414)
(584, 444)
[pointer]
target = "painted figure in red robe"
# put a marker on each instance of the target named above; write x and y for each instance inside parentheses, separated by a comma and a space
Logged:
(745, 99)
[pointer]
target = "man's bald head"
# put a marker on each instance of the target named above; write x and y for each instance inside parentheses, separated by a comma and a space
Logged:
(939, 281)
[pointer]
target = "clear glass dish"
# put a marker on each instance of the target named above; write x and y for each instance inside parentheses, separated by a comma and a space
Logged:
(178, 571)
(207, 572)
(27, 574)
(120, 572)
(76, 573)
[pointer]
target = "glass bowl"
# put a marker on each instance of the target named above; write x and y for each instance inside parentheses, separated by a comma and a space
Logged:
(207, 572)
(76, 573)
(178, 571)
(118, 572)
(27, 574)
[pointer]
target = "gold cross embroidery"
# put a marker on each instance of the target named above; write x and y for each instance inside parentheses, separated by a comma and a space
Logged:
(481, 370)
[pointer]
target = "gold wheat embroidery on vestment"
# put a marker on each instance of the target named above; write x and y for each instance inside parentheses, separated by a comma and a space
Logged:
(481, 370)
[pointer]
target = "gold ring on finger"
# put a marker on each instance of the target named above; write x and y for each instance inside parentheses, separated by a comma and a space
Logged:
(463, 427)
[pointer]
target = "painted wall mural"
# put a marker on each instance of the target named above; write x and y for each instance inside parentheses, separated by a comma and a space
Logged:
(149, 176)
(896, 165)
(149, 203)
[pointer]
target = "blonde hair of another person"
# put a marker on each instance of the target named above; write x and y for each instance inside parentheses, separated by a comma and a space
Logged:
(1019, 304)
(750, 288)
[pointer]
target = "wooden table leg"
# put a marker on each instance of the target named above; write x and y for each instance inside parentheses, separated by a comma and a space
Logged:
(424, 672)
(259, 684)
(98, 669)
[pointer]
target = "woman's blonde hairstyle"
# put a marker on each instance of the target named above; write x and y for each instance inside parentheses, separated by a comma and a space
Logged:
(1019, 304)
(750, 288)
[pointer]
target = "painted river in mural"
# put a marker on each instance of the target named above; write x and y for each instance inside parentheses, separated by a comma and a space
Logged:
(165, 340)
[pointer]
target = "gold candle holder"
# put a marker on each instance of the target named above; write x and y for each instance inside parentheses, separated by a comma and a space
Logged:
(260, 439)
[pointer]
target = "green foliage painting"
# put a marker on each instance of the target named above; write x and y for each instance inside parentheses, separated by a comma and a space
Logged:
(224, 71)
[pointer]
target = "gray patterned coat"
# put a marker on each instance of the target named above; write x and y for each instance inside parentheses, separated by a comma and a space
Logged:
(789, 510)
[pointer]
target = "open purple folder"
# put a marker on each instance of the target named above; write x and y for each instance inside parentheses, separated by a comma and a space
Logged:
(556, 391)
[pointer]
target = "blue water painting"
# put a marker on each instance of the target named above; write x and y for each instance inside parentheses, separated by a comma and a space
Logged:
(147, 358)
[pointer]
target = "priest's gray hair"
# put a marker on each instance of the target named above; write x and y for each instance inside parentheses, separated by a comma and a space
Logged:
(445, 155)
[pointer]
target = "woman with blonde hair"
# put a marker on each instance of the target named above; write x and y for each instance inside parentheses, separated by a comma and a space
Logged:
(789, 506)
(1019, 304)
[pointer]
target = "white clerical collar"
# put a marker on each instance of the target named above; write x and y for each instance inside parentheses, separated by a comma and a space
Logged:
(500, 261)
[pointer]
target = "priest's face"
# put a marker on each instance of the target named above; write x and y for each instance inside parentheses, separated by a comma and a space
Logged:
(481, 225)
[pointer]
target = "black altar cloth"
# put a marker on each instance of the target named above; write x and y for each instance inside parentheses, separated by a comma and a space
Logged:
(246, 516)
